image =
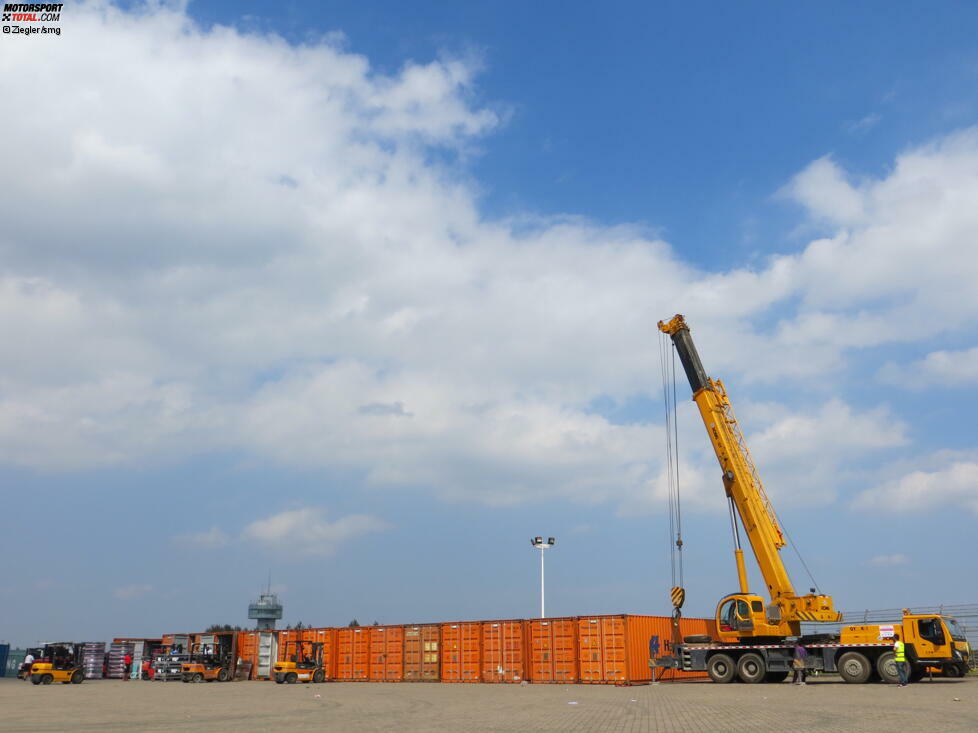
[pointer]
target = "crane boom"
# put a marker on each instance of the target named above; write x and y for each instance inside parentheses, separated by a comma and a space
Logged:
(748, 503)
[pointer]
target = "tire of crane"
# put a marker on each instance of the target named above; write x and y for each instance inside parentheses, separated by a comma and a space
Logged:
(854, 667)
(917, 674)
(751, 668)
(886, 668)
(291, 678)
(319, 676)
(697, 639)
(721, 668)
(774, 678)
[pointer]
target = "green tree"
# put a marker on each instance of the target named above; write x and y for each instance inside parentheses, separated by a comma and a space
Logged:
(354, 622)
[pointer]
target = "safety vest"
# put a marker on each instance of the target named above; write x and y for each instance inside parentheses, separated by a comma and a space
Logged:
(898, 653)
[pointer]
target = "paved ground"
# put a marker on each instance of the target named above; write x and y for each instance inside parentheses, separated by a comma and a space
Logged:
(822, 705)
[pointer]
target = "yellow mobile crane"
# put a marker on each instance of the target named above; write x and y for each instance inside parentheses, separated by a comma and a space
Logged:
(752, 635)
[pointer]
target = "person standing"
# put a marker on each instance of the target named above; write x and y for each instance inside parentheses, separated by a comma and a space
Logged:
(127, 660)
(798, 664)
(900, 657)
(28, 663)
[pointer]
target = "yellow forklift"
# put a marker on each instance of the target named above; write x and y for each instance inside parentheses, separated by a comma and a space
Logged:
(59, 662)
(304, 664)
(211, 659)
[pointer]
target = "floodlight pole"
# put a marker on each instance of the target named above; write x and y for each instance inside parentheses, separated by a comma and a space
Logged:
(542, 545)
(543, 613)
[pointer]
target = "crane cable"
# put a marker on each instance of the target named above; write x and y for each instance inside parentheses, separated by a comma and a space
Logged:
(667, 357)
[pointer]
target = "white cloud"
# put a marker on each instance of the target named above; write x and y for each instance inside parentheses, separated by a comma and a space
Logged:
(253, 250)
(132, 592)
(822, 187)
(888, 561)
(938, 368)
(211, 538)
(307, 531)
(864, 124)
(953, 488)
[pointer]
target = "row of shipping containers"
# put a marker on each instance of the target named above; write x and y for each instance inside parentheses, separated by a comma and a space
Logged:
(611, 649)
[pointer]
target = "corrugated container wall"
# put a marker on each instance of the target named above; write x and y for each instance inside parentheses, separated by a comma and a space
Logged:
(552, 650)
(461, 651)
(503, 651)
(422, 653)
(615, 649)
(248, 654)
(352, 654)
(326, 637)
(386, 653)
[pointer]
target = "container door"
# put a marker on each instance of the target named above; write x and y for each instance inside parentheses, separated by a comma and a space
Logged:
(412, 653)
(430, 654)
(267, 654)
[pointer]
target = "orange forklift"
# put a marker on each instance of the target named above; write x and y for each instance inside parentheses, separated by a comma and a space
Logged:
(59, 662)
(212, 658)
(304, 664)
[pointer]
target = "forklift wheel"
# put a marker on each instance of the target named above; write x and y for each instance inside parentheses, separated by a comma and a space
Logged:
(291, 678)
(47, 679)
(222, 675)
(319, 676)
(197, 677)
(35, 679)
(77, 677)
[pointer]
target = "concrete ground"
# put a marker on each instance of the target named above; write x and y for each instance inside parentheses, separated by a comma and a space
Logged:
(825, 704)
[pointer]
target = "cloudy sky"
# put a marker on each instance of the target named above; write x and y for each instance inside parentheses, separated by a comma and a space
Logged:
(364, 301)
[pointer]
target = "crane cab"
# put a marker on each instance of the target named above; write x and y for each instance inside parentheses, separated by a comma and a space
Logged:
(742, 616)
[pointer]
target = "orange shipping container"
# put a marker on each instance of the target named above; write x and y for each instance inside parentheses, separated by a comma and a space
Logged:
(421, 653)
(552, 650)
(386, 653)
(503, 651)
(288, 641)
(326, 637)
(461, 651)
(248, 654)
(615, 649)
(352, 654)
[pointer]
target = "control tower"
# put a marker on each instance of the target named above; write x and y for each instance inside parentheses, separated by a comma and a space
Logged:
(265, 611)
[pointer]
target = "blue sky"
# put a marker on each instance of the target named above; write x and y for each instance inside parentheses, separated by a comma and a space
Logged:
(367, 300)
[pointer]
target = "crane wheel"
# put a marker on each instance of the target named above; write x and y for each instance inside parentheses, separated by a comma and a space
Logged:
(917, 673)
(855, 668)
(751, 668)
(886, 668)
(721, 668)
(291, 678)
(319, 676)
(698, 639)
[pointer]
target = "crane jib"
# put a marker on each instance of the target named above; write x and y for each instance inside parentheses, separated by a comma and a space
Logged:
(690, 360)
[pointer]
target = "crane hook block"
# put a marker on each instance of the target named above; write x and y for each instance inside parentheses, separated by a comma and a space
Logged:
(678, 595)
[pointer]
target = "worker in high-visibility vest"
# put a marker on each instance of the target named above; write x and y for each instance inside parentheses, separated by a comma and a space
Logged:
(900, 657)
